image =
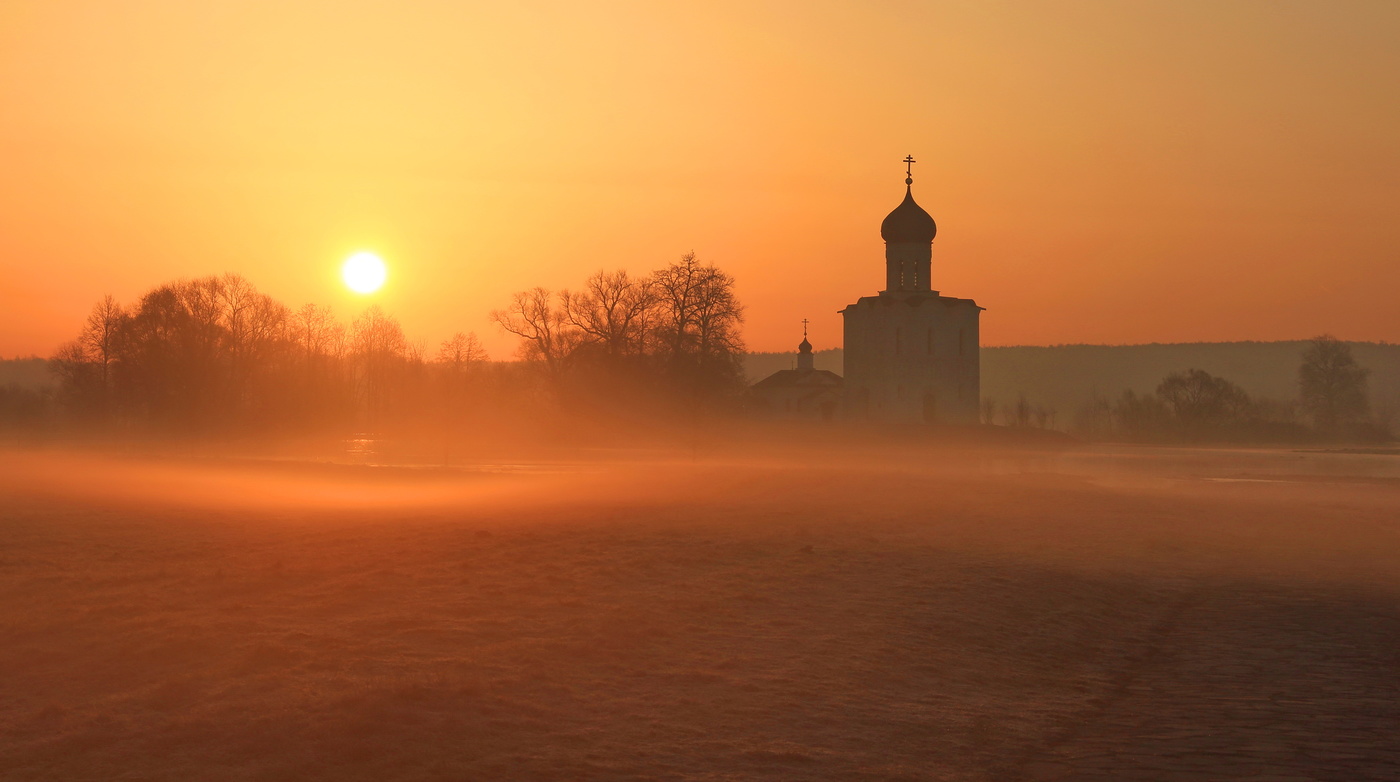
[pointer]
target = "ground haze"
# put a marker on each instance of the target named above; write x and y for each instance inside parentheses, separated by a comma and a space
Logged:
(850, 613)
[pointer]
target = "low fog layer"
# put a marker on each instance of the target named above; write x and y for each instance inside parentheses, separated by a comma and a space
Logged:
(876, 610)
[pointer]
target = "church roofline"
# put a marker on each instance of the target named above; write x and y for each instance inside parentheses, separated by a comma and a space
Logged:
(895, 297)
(788, 378)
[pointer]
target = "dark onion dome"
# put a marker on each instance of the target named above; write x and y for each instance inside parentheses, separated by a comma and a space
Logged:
(908, 222)
(804, 346)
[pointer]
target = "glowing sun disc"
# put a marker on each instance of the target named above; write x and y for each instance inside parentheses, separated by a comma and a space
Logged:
(363, 272)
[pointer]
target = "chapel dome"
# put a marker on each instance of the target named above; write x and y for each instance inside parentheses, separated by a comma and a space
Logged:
(908, 222)
(804, 346)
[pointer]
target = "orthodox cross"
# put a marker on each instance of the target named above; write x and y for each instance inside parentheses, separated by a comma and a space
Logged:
(804, 328)
(909, 165)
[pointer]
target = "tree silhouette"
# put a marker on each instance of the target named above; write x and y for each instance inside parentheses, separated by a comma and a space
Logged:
(699, 318)
(678, 327)
(1332, 385)
(989, 410)
(1200, 401)
(544, 329)
(613, 312)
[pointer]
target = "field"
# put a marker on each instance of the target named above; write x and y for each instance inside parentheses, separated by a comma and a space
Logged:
(817, 614)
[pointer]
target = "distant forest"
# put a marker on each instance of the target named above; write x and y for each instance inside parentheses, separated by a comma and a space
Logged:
(1064, 379)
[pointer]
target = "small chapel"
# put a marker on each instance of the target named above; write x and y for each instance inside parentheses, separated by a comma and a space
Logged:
(911, 353)
(804, 392)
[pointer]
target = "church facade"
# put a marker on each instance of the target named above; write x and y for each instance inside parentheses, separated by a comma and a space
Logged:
(911, 353)
(802, 393)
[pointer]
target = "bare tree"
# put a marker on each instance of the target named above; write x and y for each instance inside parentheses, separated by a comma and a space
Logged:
(314, 330)
(699, 314)
(1332, 384)
(380, 348)
(1022, 411)
(547, 333)
(989, 410)
(612, 311)
(461, 351)
(99, 338)
(697, 325)
(1200, 401)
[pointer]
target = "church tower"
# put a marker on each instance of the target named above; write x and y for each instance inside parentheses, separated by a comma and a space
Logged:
(911, 354)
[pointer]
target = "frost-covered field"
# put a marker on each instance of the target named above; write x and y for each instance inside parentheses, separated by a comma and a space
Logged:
(1114, 616)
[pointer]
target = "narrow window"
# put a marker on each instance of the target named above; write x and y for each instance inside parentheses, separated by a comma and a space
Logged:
(930, 341)
(897, 336)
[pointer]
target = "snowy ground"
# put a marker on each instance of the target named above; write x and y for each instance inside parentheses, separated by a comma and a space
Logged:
(1135, 614)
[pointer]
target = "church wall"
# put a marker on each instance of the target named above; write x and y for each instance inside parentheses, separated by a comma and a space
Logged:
(894, 372)
(800, 402)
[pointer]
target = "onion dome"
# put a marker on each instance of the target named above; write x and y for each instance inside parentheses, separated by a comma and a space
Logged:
(804, 346)
(908, 222)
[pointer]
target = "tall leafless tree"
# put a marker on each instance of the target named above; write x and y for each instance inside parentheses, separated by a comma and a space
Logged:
(1332, 385)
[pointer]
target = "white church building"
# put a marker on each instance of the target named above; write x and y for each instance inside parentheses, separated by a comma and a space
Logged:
(911, 353)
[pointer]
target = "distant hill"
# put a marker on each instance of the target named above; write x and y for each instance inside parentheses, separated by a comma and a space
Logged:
(1064, 377)
(31, 372)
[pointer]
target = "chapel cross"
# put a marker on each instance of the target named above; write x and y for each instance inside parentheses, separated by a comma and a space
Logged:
(804, 328)
(909, 165)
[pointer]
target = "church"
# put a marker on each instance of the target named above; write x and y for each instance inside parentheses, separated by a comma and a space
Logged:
(803, 392)
(911, 353)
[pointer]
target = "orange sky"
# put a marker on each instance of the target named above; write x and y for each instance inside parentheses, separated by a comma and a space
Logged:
(1100, 171)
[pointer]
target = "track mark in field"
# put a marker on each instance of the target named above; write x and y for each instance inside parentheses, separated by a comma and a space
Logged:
(1243, 682)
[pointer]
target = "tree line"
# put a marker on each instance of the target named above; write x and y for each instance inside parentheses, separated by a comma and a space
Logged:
(672, 335)
(1196, 406)
(217, 355)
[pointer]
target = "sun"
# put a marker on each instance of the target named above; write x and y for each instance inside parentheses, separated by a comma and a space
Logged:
(363, 272)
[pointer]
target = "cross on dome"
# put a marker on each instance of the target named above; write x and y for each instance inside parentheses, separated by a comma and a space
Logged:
(908, 222)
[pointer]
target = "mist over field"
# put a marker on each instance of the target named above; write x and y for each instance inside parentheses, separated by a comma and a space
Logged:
(413, 391)
(776, 608)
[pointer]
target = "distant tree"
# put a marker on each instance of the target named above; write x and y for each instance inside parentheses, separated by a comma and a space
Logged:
(1141, 417)
(22, 407)
(620, 338)
(1021, 413)
(316, 332)
(78, 377)
(1200, 401)
(1094, 418)
(381, 351)
(989, 410)
(460, 351)
(1331, 384)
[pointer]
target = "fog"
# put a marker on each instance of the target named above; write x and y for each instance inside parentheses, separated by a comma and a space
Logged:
(780, 605)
